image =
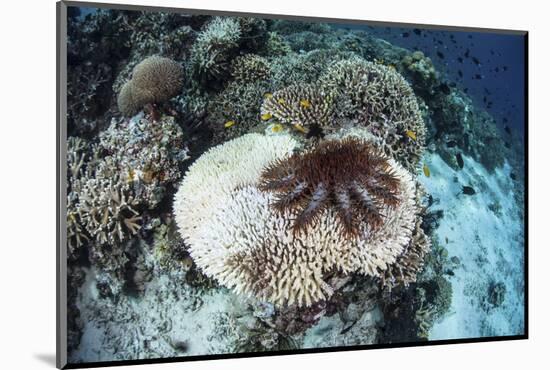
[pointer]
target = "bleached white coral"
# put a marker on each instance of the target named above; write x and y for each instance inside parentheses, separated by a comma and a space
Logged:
(235, 236)
(210, 181)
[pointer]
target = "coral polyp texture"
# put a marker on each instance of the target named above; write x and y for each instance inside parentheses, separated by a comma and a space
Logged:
(250, 68)
(155, 80)
(213, 50)
(301, 104)
(350, 176)
(236, 236)
(376, 96)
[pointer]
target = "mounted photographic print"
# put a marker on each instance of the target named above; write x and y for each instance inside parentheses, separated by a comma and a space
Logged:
(242, 184)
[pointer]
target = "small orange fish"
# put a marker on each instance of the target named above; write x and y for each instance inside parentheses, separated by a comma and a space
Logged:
(276, 128)
(300, 128)
(411, 134)
(426, 170)
(305, 103)
(266, 116)
(229, 124)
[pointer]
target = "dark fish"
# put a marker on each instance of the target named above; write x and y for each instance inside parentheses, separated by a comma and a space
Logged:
(451, 144)
(467, 53)
(507, 144)
(440, 55)
(508, 130)
(505, 68)
(505, 120)
(476, 61)
(460, 73)
(445, 89)
(497, 69)
(459, 160)
(477, 76)
(513, 176)
(417, 31)
(465, 90)
(405, 34)
(460, 60)
(469, 36)
(468, 190)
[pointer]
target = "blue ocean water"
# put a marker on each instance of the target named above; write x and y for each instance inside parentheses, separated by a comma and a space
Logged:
(489, 65)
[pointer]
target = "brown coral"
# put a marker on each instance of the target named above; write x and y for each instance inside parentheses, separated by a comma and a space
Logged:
(301, 104)
(250, 68)
(350, 176)
(154, 80)
(376, 96)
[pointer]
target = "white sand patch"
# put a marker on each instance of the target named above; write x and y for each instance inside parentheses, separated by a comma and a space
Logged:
(489, 244)
(170, 319)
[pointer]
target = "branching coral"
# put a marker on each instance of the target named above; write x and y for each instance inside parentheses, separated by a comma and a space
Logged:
(128, 169)
(237, 237)
(276, 45)
(303, 105)
(145, 155)
(250, 68)
(238, 102)
(107, 210)
(376, 96)
(213, 50)
(350, 176)
(154, 80)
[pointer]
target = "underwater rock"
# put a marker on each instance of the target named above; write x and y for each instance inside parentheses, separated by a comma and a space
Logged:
(496, 293)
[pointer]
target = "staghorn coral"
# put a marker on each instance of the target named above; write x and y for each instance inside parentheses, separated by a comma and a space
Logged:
(213, 50)
(154, 80)
(235, 236)
(106, 209)
(303, 105)
(377, 97)
(250, 68)
(350, 176)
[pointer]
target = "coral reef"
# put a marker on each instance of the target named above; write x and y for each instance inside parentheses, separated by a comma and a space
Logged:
(250, 68)
(213, 50)
(348, 176)
(154, 80)
(112, 183)
(378, 97)
(302, 105)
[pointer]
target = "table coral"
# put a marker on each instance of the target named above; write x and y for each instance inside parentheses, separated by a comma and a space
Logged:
(235, 236)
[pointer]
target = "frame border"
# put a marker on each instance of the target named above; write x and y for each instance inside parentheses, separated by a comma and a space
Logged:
(61, 187)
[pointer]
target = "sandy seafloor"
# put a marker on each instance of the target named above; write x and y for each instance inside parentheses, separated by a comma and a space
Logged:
(490, 248)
